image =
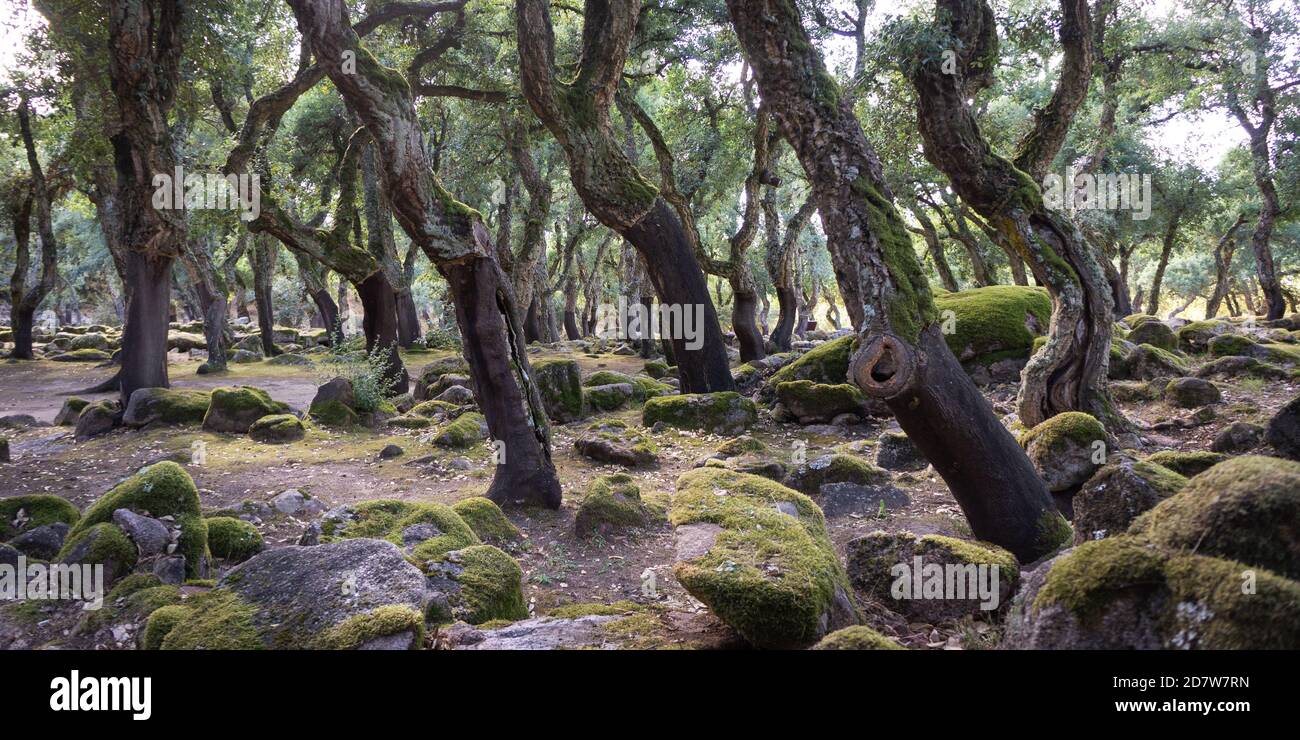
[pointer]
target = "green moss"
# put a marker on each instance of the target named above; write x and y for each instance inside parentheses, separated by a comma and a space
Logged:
(130, 607)
(174, 406)
(491, 586)
(1186, 463)
(656, 368)
(827, 363)
(465, 431)
(772, 576)
(39, 509)
(725, 412)
(857, 637)
(410, 422)
(233, 539)
(910, 304)
(836, 468)
(109, 546)
(430, 409)
(238, 407)
(1072, 426)
(1054, 531)
(217, 620)
(1230, 345)
(612, 502)
(392, 619)
(83, 355)
(1096, 573)
(806, 398)
(487, 520)
(559, 382)
(334, 413)
(994, 319)
(160, 624)
(1236, 510)
(161, 489)
(607, 398)
(741, 445)
(277, 428)
(385, 519)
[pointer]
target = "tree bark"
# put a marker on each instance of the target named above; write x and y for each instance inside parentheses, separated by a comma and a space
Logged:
(263, 258)
(901, 358)
(23, 300)
(456, 242)
(1070, 372)
(577, 114)
(1223, 253)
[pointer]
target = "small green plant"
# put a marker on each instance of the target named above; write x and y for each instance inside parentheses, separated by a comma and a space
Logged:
(443, 338)
(368, 372)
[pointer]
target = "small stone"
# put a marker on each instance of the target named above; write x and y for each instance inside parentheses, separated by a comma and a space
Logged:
(289, 502)
(170, 570)
(390, 451)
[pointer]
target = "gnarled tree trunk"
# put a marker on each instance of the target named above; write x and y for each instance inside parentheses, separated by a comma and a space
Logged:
(902, 357)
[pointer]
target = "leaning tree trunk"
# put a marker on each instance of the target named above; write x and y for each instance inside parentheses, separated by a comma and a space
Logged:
(379, 322)
(263, 258)
(456, 242)
(1070, 372)
(902, 358)
(23, 300)
(935, 248)
(577, 114)
(1223, 253)
(1166, 249)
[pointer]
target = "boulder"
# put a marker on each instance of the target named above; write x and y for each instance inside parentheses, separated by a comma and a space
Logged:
(983, 325)
(612, 503)
(356, 594)
(1189, 393)
(1186, 463)
(43, 542)
(466, 430)
(83, 355)
(160, 490)
(1065, 449)
(98, 418)
(100, 544)
(813, 403)
(1155, 333)
(233, 539)
(89, 340)
(234, 409)
(166, 406)
(475, 585)
(457, 395)
(1284, 430)
(609, 397)
(423, 530)
(1244, 509)
(721, 413)
(1122, 594)
(560, 384)
(758, 555)
(488, 521)
(1117, 494)
(1196, 336)
(932, 578)
(857, 637)
(1238, 437)
(614, 442)
(151, 536)
(896, 451)
(22, 513)
(70, 412)
(277, 429)
(453, 364)
(826, 363)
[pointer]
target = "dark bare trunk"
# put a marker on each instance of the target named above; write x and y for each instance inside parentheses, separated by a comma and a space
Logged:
(263, 261)
(482, 299)
(144, 338)
(328, 311)
(23, 317)
(379, 322)
(408, 320)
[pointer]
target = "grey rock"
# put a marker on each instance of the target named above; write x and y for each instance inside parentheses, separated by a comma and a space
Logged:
(170, 570)
(150, 536)
(895, 451)
(390, 451)
(43, 542)
(1240, 436)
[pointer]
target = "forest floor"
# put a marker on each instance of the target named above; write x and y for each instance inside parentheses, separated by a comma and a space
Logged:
(341, 467)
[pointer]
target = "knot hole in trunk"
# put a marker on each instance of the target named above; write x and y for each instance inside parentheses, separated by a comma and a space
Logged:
(884, 366)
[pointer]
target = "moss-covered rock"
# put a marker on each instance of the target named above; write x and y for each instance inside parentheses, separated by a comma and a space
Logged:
(83, 355)
(560, 384)
(613, 502)
(1284, 430)
(277, 429)
(130, 601)
(217, 620)
(476, 584)
(1112, 498)
(429, 376)
(809, 477)
(234, 409)
(101, 544)
(757, 553)
(98, 418)
(967, 578)
(423, 530)
(466, 430)
(1230, 345)
(162, 489)
(826, 363)
(1242, 509)
(999, 320)
(1148, 362)
(1190, 393)
(435, 410)
(1155, 333)
(642, 388)
(722, 413)
(160, 624)
(609, 397)
(656, 369)
(487, 521)
(410, 422)
(1120, 593)
(744, 444)
(811, 402)
(233, 539)
(167, 406)
(1195, 337)
(613, 441)
(1186, 463)
(857, 637)
(70, 412)
(1064, 449)
(23, 513)
(394, 625)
